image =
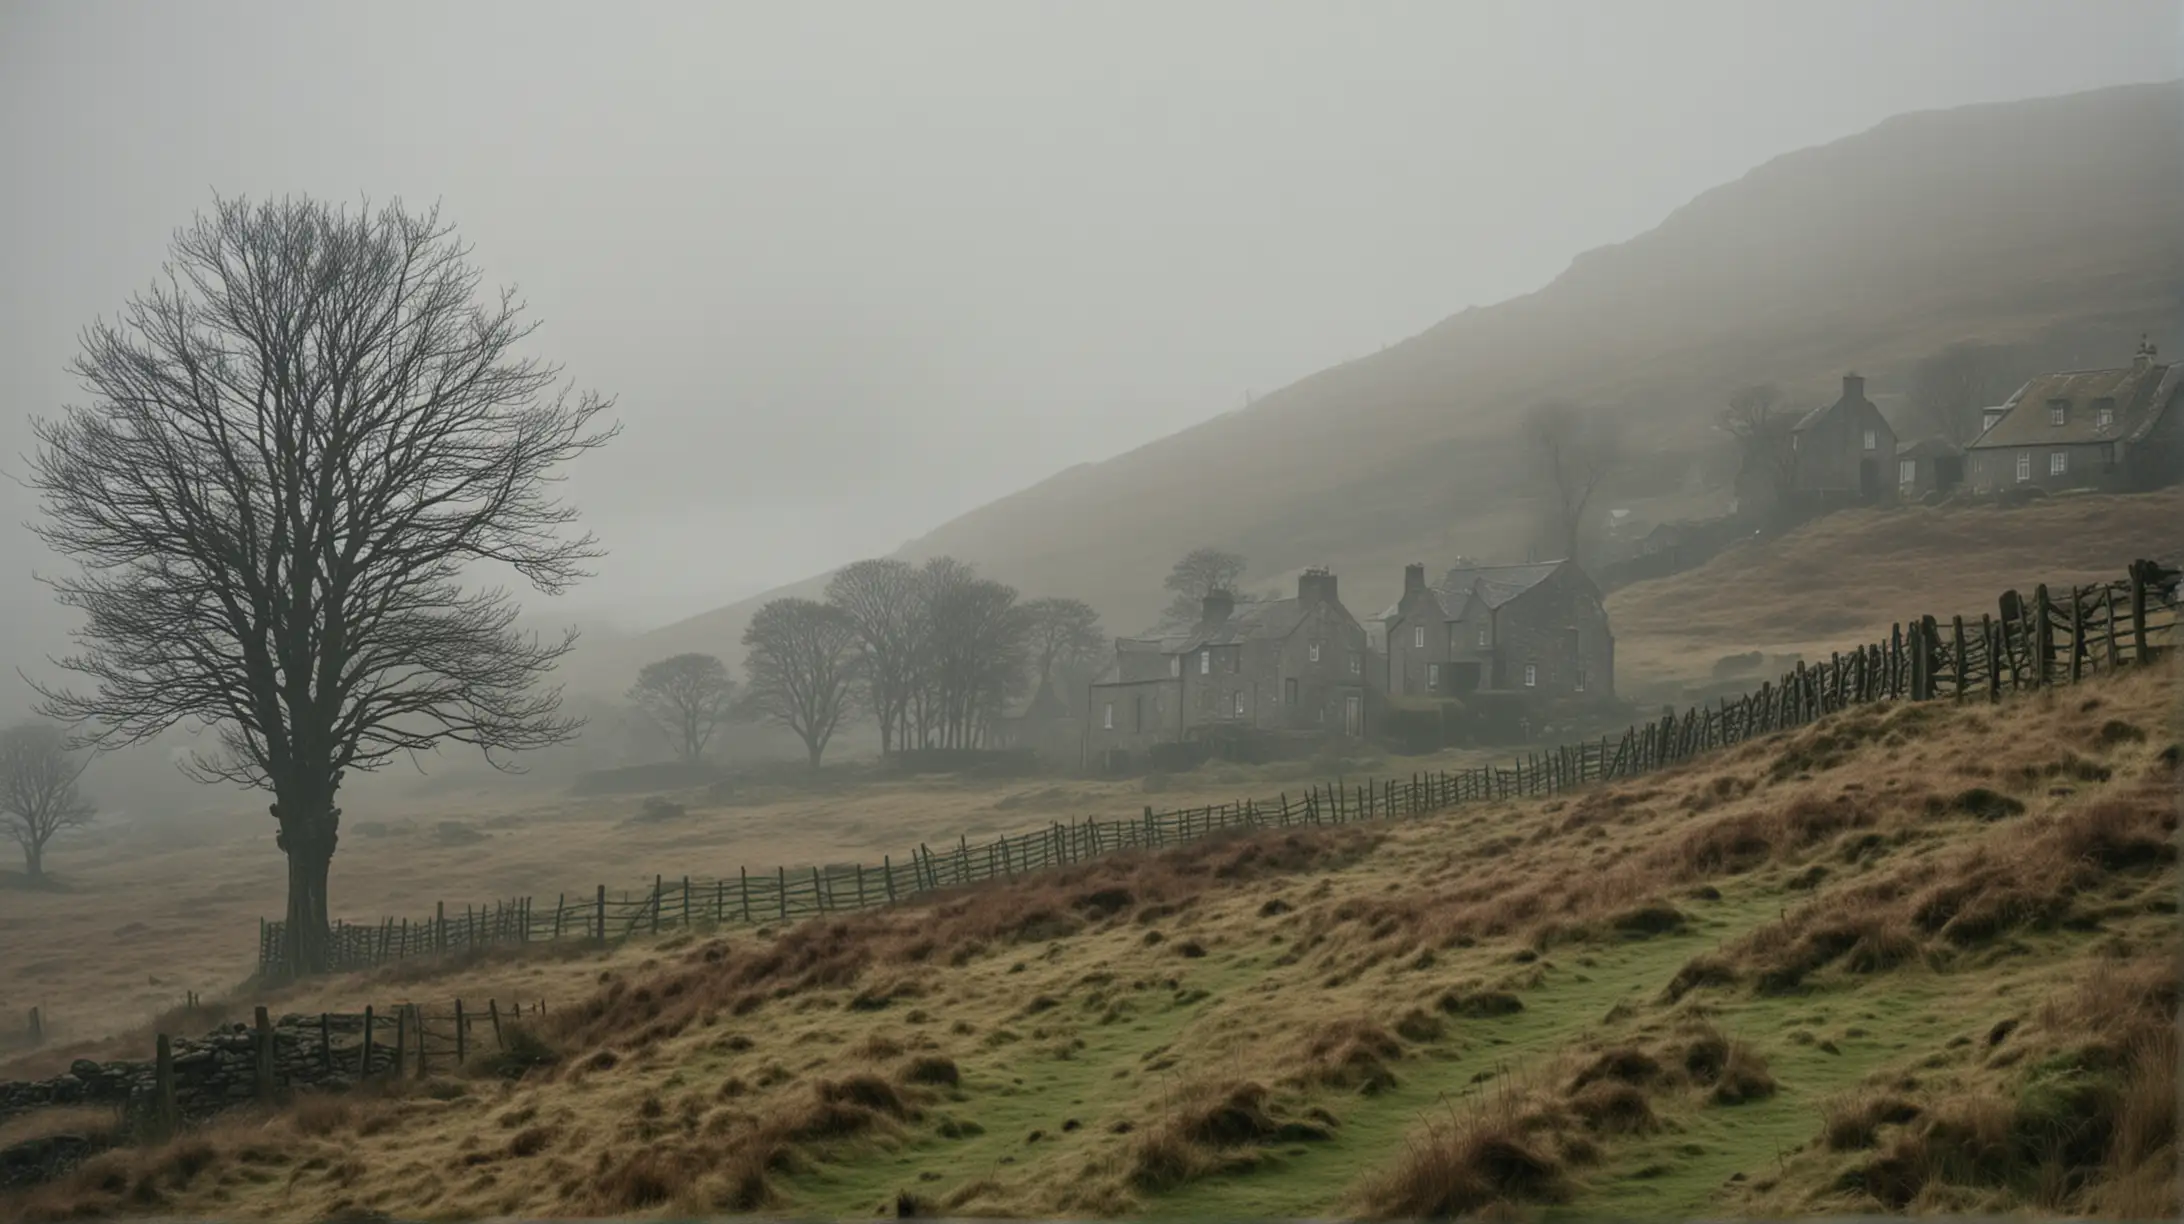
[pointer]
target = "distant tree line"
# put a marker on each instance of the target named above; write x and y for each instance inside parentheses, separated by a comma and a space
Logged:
(934, 654)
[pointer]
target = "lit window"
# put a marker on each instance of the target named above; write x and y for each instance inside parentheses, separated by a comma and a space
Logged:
(2058, 462)
(1482, 637)
(1907, 472)
(1531, 675)
(1357, 664)
(2024, 465)
(1205, 662)
(1107, 719)
(1418, 637)
(2058, 411)
(2104, 413)
(1175, 665)
(1872, 442)
(1239, 703)
(1433, 676)
(1315, 652)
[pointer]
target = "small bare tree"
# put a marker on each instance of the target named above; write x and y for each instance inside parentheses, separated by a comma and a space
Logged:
(1199, 573)
(1767, 463)
(802, 668)
(1064, 632)
(880, 597)
(38, 795)
(299, 444)
(1951, 386)
(1574, 451)
(688, 695)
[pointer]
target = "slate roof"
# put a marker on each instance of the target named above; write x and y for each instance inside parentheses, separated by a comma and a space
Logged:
(1256, 620)
(1135, 660)
(2140, 394)
(1494, 584)
(1931, 448)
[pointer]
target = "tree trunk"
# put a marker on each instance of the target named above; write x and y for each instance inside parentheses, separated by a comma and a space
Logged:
(309, 828)
(34, 861)
(814, 747)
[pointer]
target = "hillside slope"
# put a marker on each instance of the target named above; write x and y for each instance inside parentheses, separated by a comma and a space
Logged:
(2049, 221)
(1848, 577)
(1911, 957)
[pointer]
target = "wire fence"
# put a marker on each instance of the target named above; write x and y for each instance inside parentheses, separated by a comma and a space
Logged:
(2046, 639)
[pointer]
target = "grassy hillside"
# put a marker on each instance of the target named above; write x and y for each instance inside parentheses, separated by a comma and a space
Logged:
(1909, 958)
(2048, 221)
(1848, 577)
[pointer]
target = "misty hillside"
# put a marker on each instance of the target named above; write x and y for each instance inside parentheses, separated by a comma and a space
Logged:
(2050, 221)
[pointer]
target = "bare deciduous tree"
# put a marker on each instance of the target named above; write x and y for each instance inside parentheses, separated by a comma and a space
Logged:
(1951, 386)
(38, 795)
(1199, 573)
(1574, 450)
(298, 445)
(1063, 633)
(689, 695)
(802, 669)
(1767, 464)
(880, 598)
(972, 659)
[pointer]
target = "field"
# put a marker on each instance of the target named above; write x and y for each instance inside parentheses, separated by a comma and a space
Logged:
(1847, 577)
(1913, 957)
(151, 915)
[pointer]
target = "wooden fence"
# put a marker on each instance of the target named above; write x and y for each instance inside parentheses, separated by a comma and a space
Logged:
(2048, 638)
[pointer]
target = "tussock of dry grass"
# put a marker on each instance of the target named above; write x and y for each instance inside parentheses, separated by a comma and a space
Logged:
(2073, 1113)
(1214, 1127)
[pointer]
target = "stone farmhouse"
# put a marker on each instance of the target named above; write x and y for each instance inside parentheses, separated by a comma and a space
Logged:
(2110, 430)
(1274, 666)
(1537, 629)
(1844, 450)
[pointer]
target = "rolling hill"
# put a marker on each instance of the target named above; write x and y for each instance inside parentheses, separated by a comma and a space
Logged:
(2048, 222)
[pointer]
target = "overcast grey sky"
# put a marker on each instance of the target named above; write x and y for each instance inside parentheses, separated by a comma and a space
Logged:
(855, 268)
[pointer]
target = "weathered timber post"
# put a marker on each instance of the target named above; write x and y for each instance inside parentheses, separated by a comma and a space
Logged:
(1964, 656)
(2043, 636)
(166, 1114)
(261, 1063)
(2115, 657)
(439, 926)
(2077, 635)
(415, 1016)
(492, 1011)
(1988, 633)
(599, 908)
(462, 1034)
(743, 880)
(326, 1043)
(37, 1025)
(781, 888)
(656, 900)
(2139, 575)
(686, 902)
(364, 1051)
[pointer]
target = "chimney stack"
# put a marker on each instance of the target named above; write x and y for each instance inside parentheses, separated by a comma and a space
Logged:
(2146, 353)
(1218, 607)
(1853, 386)
(1315, 586)
(1414, 578)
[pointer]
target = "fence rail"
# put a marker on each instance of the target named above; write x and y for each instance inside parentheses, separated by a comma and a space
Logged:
(2048, 638)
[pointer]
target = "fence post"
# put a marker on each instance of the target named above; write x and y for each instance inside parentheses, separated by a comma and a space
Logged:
(462, 1035)
(261, 1067)
(2115, 657)
(599, 907)
(887, 869)
(2077, 635)
(1963, 659)
(166, 1114)
(416, 1016)
(492, 1011)
(657, 901)
(326, 1042)
(2138, 611)
(364, 1051)
(743, 878)
(2043, 636)
(781, 890)
(37, 1024)
(439, 926)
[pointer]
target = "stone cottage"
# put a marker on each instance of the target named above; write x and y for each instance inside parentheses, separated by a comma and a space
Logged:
(1538, 628)
(1293, 665)
(1844, 451)
(2086, 429)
